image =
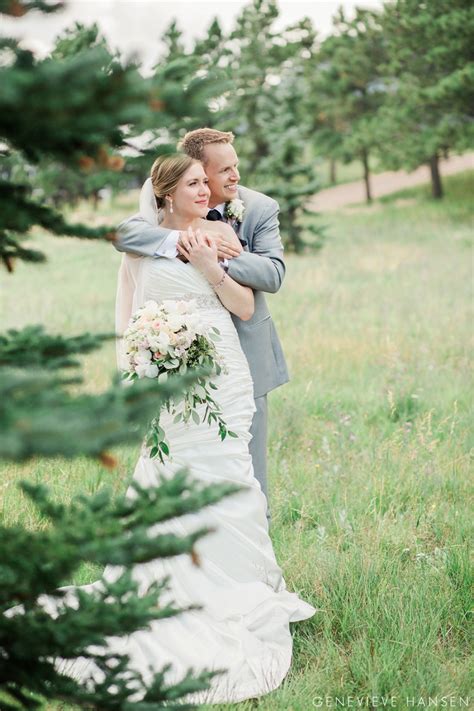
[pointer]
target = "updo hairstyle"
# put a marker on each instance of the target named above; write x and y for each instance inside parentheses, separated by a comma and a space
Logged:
(166, 172)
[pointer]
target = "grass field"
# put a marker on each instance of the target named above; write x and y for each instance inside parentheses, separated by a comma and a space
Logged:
(369, 443)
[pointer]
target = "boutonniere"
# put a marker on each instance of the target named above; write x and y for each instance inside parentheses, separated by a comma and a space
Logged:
(234, 210)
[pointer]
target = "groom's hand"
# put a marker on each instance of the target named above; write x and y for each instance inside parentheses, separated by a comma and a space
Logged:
(227, 243)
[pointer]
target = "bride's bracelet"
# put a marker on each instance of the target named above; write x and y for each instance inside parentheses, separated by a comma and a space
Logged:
(219, 283)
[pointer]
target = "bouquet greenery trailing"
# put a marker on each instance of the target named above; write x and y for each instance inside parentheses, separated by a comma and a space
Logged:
(168, 339)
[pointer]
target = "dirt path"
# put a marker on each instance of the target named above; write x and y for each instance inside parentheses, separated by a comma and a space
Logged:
(385, 183)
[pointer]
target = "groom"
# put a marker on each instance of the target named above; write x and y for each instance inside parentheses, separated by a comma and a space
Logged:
(254, 258)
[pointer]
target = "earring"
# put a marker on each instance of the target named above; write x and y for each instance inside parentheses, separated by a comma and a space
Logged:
(170, 200)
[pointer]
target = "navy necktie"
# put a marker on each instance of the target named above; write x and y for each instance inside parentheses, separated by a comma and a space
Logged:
(214, 215)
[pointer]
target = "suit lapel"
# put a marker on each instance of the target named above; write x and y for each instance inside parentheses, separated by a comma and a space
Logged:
(238, 225)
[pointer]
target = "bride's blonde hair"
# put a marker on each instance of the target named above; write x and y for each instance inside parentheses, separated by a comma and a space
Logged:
(166, 172)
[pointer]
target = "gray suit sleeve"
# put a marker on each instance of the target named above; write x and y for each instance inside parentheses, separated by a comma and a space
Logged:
(137, 236)
(263, 268)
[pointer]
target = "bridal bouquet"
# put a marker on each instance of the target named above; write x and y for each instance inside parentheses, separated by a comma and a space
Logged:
(167, 339)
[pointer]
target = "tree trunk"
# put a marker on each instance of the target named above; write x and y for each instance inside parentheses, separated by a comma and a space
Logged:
(436, 185)
(295, 241)
(332, 171)
(365, 163)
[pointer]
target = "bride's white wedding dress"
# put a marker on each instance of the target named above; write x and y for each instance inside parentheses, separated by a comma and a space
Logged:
(243, 625)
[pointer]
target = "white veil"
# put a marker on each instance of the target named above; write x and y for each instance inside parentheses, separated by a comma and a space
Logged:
(130, 291)
(148, 207)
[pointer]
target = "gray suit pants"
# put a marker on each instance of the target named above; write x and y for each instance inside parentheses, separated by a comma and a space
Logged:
(258, 445)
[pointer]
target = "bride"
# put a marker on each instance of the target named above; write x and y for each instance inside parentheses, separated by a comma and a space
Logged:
(243, 625)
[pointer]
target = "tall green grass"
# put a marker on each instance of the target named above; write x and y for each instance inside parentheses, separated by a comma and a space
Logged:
(370, 443)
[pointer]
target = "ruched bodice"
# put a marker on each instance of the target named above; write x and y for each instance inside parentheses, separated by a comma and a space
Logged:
(174, 279)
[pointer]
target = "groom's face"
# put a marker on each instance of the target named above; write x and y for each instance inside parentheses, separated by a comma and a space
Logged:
(220, 163)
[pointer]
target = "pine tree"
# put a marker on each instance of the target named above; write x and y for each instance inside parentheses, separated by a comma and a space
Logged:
(429, 110)
(75, 127)
(254, 65)
(187, 85)
(213, 50)
(266, 108)
(348, 88)
(41, 416)
(104, 531)
(60, 183)
(172, 38)
(290, 169)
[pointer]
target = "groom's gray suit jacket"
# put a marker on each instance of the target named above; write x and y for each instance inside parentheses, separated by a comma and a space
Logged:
(259, 266)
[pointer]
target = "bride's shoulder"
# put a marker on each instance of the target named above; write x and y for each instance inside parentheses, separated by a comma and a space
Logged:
(218, 227)
(210, 226)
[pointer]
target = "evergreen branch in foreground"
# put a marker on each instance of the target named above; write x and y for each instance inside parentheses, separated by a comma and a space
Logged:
(48, 633)
(32, 347)
(39, 417)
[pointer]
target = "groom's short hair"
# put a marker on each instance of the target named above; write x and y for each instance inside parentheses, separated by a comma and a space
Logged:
(194, 142)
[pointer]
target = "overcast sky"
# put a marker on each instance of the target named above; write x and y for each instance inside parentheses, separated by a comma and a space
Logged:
(136, 25)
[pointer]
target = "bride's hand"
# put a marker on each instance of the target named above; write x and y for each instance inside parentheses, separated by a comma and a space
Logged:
(198, 248)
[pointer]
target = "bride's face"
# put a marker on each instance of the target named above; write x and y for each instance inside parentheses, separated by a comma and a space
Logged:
(191, 197)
